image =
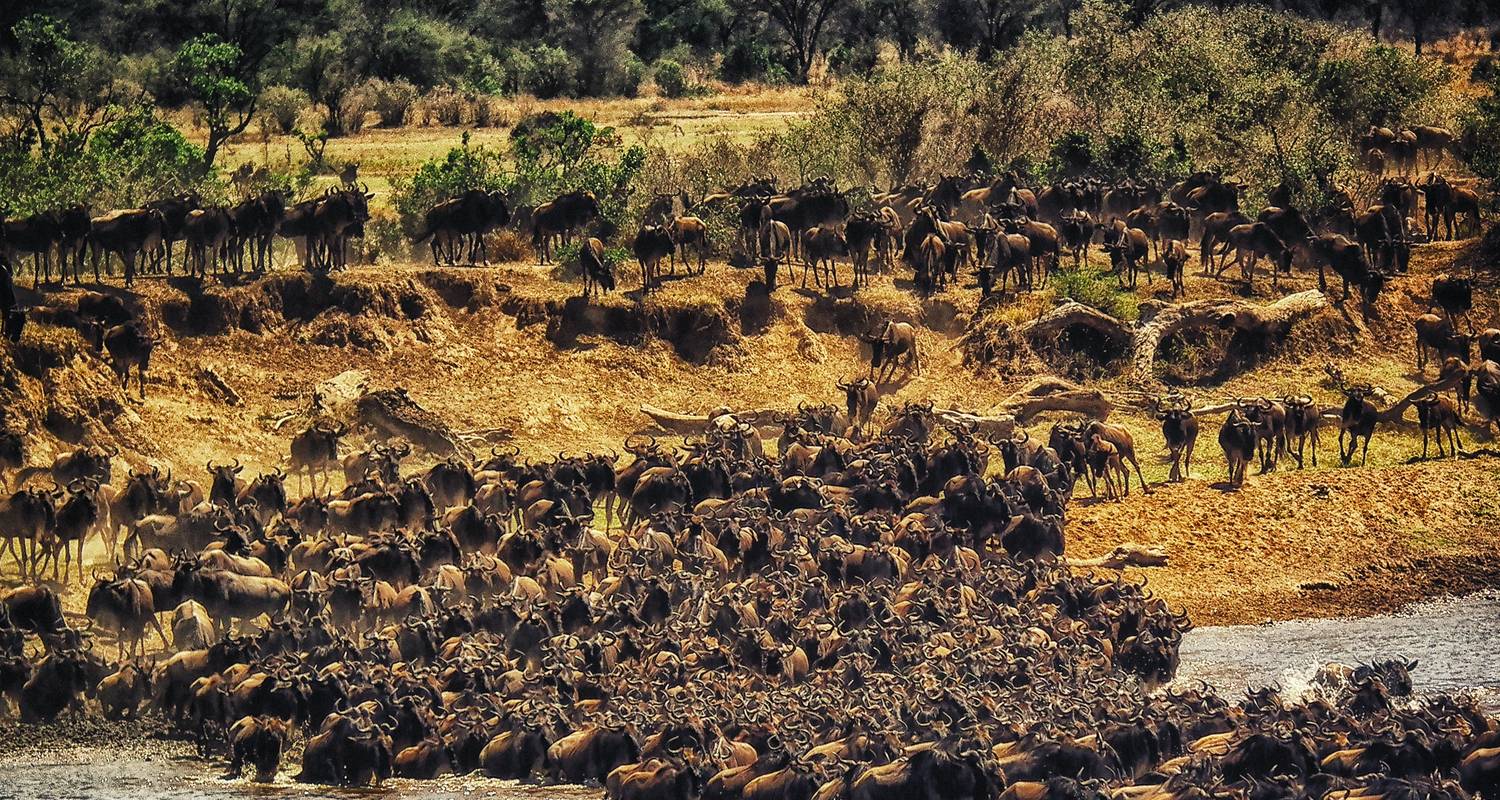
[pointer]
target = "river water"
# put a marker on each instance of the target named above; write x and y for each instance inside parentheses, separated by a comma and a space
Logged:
(1454, 641)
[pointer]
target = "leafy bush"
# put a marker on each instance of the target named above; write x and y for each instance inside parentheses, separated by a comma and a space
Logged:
(1479, 135)
(281, 106)
(385, 238)
(355, 108)
(125, 162)
(552, 73)
(488, 112)
(445, 107)
(393, 101)
(672, 79)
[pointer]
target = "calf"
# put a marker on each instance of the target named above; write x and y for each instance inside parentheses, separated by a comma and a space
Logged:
(822, 245)
(1438, 415)
(652, 244)
(122, 693)
(596, 270)
(1104, 462)
(690, 231)
(1124, 442)
(1174, 258)
(128, 345)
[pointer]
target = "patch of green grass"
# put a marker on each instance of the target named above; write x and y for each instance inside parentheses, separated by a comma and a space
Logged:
(1098, 289)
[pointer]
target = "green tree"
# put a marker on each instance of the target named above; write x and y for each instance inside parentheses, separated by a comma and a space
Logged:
(327, 70)
(54, 83)
(803, 23)
(213, 73)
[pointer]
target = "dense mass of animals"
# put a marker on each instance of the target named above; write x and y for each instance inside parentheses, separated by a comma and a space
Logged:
(868, 617)
(877, 607)
(996, 226)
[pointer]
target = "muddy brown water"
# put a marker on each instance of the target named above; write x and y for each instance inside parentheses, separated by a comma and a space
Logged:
(1455, 642)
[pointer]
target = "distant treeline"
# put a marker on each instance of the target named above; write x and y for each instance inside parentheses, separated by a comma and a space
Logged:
(326, 49)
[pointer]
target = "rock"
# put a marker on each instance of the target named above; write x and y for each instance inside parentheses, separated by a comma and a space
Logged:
(338, 394)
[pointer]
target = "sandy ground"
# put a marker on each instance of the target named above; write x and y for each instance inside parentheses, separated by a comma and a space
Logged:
(472, 345)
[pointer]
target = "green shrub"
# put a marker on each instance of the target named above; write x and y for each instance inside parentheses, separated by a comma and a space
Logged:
(393, 101)
(281, 106)
(672, 79)
(1100, 290)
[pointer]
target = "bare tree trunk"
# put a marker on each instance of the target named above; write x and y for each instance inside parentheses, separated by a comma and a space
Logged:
(1273, 318)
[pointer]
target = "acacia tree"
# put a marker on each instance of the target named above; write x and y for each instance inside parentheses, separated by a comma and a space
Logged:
(803, 22)
(213, 73)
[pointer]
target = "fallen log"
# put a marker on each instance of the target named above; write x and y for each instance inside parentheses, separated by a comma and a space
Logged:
(1269, 320)
(1125, 555)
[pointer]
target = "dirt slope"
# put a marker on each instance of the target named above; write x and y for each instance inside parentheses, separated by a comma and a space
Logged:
(502, 354)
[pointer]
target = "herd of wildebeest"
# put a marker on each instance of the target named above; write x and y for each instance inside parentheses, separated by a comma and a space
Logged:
(873, 609)
(871, 619)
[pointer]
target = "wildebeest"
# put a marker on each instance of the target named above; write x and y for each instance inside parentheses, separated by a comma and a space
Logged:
(822, 246)
(652, 244)
(1302, 420)
(1437, 415)
(464, 219)
(558, 218)
(1437, 334)
(1357, 419)
(1348, 262)
(860, 399)
(1076, 229)
(124, 605)
(687, 231)
(1174, 258)
(1237, 439)
(314, 451)
(895, 339)
(128, 345)
(129, 234)
(595, 268)
(36, 235)
(1256, 239)
(1455, 296)
(206, 231)
(1129, 250)
(1179, 427)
